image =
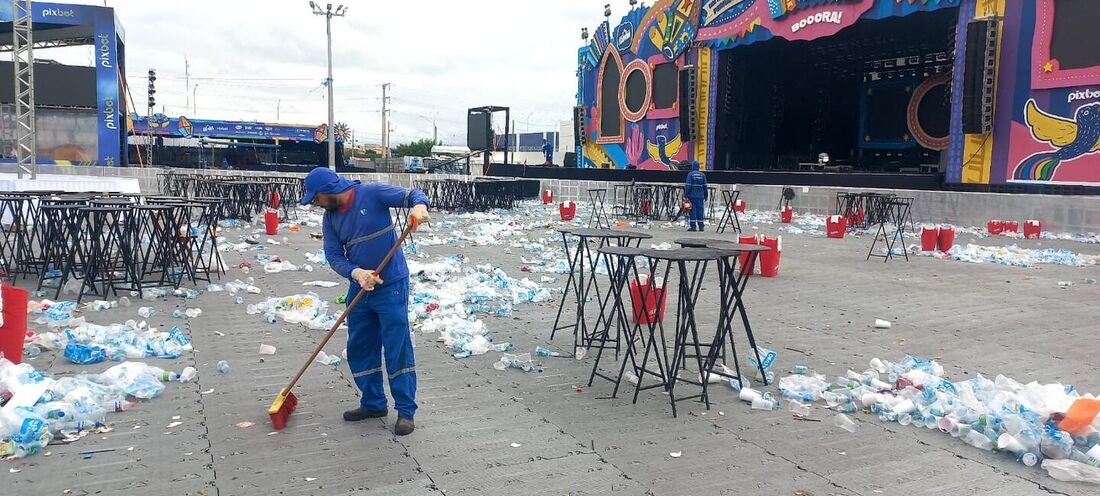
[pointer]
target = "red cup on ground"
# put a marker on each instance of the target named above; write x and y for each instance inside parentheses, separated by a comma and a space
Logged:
(835, 226)
(567, 210)
(786, 215)
(929, 237)
(271, 222)
(1032, 229)
(769, 260)
(1011, 226)
(747, 260)
(739, 206)
(547, 197)
(995, 227)
(946, 238)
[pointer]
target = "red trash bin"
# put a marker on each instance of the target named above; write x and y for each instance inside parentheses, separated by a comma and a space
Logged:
(739, 206)
(748, 260)
(1032, 229)
(929, 237)
(567, 210)
(769, 260)
(1011, 226)
(14, 330)
(835, 226)
(786, 215)
(995, 227)
(650, 308)
(271, 222)
(946, 239)
(547, 197)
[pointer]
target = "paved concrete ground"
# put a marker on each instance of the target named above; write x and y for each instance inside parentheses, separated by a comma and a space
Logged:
(986, 319)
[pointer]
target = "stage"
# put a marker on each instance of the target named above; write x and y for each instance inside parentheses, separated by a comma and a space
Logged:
(892, 180)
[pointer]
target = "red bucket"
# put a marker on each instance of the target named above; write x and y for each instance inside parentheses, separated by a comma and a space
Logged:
(739, 206)
(946, 239)
(271, 222)
(786, 215)
(929, 236)
(1032, 229)
(567, 210)
(835, 226)
(1012, 226)
(547, 197)
(14, 330)
(653, 302)
(995, 226)
(748, 260)
(769, 260)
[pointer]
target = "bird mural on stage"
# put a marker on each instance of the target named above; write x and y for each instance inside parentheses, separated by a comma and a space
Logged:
(1073, 138)
(664, 149)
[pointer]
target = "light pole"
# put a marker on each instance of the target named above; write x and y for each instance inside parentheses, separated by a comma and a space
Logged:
(527, 125)
(435, 129)
(329, 14)
(195, 100)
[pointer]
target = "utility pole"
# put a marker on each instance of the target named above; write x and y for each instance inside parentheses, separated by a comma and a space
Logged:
(331, 130)
(195, 100)
(385, 122)
(187, 82)
(278, 105)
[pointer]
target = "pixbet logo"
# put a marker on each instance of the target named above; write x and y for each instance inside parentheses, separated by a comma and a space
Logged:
(58, 13)
(818, 18)
(1083, 95)
(104, 50)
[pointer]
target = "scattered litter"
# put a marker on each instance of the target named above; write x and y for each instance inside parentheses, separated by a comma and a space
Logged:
(882, 324)
(310, 479)
(266, 349)
(208, 391)
(14, 470)
(321, 284)
(245, 424)
(173, 424)
(674, 454)
(516, 445)
(844, 422)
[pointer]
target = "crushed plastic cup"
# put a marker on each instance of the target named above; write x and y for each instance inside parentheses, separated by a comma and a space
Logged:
(223, 367)
(844, 422)
(266, 349)
(188, 374)
(146, 312)
(748, 394)
(882, 324)
(762, 403)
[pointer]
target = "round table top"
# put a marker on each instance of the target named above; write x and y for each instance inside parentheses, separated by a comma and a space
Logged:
(688, 254)
(565, 229)
(623, 251)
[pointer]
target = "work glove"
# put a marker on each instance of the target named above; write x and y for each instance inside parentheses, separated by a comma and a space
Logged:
(418, 215)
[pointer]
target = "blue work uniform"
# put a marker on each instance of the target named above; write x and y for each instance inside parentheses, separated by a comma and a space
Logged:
(695, 190)
(548, 151)
(359, 237)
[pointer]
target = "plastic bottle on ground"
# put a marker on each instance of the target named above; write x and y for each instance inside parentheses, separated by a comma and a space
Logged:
(223, 367)
(146, 312)
(188, 374)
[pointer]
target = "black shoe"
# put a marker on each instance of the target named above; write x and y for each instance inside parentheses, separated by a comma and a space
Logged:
(692, 229)
(363, 414)
(404, 426)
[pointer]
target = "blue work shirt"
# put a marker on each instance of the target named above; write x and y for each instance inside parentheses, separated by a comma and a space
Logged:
(360, 236)
(696, 185)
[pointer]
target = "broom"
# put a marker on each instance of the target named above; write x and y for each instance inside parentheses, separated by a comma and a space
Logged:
(286, 402)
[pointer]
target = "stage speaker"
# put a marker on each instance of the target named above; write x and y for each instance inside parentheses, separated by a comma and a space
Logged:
(688, 112)
(979, 76)
(570, 159)
(580, 136)
(479, 134)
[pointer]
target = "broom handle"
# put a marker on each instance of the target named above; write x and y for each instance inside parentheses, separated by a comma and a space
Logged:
(362, 291)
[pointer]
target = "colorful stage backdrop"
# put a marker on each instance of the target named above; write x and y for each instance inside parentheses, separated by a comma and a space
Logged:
(1046, 98)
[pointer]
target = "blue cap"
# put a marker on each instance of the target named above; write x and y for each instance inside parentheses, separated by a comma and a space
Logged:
(695, 165)
(324, 180)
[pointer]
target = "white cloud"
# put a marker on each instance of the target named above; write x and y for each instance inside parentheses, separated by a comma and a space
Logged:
(441, 56)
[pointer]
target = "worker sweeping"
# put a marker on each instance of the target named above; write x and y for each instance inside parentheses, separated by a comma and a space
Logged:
(695, 191)
(357, 234)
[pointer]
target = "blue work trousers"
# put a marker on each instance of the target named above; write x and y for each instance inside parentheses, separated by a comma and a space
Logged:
(697, 214)
(379, 325)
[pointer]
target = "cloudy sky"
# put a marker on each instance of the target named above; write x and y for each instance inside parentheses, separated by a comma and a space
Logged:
(252, 58)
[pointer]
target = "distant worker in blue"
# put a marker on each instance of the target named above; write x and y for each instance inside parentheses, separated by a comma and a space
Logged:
(695, 191)
(357, 234)
(548, 151)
